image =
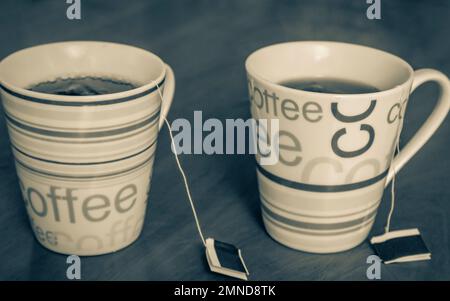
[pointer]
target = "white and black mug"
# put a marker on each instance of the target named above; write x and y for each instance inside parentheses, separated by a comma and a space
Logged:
(84, 163)
(335, 150)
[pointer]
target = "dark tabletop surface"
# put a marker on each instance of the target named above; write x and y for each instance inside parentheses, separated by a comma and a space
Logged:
(206, 43)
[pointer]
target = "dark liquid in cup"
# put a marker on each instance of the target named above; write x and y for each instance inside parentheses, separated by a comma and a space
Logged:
(329, 85)
(83, 86)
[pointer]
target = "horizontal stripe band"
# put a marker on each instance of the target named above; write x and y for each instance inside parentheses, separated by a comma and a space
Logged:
(67, 127)
(320, 188)
(265, 201)
(316, 226)
(82, 163)
(87, 177)
(82, 103)
(321, 233)
(78, 135)
(266, 188)
(84, 141)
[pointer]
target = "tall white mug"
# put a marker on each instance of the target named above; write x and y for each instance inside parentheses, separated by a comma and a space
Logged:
(335, 151)
(84, 162)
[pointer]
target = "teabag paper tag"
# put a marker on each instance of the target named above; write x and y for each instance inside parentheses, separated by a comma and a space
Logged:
(226, 259)
(401, 246)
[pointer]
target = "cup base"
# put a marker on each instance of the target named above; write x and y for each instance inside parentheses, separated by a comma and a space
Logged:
(317, 244)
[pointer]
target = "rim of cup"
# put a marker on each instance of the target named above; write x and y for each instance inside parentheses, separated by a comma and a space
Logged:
(400, 61)
(86, 98)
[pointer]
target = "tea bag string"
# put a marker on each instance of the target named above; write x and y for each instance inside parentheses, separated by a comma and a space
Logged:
(391, 210)
(396, 149)
(180, 168)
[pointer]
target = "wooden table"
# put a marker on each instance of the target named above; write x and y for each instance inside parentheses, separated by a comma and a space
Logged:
(206, 42)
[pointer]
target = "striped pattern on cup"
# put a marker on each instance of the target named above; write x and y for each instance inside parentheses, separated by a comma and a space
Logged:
(84, 170)
(302, 218)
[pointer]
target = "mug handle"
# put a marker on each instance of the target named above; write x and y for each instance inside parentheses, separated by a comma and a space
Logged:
(431, 124)
(169, 90)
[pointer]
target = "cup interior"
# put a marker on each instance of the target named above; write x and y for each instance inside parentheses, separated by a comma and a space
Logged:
(34, 65)
(297, 60)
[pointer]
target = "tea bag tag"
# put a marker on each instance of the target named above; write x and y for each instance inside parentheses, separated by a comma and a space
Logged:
(400, 246)
(226, 259)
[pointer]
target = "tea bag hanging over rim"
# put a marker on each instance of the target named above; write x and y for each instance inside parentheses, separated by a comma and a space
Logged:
(400, 245)
(222, 258)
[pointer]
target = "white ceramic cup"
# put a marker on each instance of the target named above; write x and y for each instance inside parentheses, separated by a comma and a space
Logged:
(84, 162)
(335, 149)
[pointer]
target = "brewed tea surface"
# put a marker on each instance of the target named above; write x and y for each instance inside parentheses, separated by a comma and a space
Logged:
(83, 86)
(329, 85)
